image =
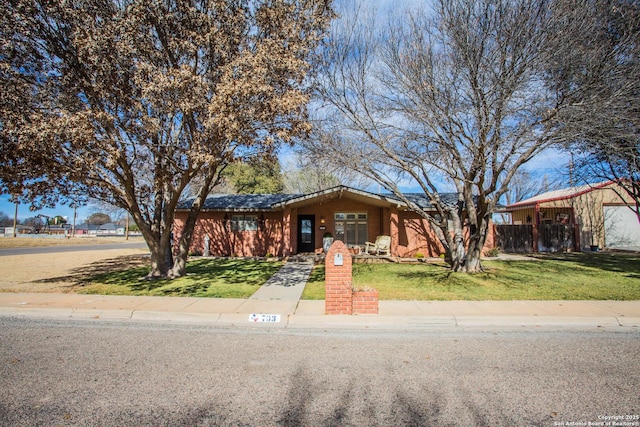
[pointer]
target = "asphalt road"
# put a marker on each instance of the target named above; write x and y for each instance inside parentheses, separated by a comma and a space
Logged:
(67, 373)
(71, 248)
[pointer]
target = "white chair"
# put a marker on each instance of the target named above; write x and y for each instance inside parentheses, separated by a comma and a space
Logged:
(382, 246)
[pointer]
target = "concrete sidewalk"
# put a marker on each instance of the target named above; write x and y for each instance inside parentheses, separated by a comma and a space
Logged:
(394, 315)
(279, 301)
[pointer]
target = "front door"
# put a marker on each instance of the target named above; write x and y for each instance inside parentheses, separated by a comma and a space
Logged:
(306, 233)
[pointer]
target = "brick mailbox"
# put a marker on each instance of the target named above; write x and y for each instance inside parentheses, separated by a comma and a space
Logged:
(364, 301)
(340, 296)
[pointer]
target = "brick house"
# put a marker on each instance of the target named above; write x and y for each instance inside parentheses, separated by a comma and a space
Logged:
(286, 224)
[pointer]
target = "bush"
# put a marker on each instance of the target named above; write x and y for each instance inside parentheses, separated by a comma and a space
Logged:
(492, 253)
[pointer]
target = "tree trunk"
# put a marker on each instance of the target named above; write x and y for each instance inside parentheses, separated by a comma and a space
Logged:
(463, 259)
(477, 239)
(159, 267)
(179, 268)
(457, 253)
(159, 244)
(473, 263)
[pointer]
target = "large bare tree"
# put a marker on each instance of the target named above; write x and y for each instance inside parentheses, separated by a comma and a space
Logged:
(134, 101)
(448, 100)
(596, 69)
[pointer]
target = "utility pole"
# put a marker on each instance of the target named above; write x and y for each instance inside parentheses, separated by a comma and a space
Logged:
(75, 215)
(15, 221)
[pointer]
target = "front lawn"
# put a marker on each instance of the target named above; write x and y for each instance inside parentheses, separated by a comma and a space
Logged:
(217, 278)
(599, 276)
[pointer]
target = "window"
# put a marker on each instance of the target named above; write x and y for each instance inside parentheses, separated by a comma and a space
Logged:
(244, 223)
(351, 228)
(306, 231)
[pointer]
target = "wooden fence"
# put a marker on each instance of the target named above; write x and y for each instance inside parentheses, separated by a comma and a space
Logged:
(520, 239)
(514, 238)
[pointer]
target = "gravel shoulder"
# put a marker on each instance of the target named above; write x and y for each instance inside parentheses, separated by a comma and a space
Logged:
(63, 271)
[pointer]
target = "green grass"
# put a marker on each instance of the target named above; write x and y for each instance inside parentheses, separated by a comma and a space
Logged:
(554, 277)
(216, 278)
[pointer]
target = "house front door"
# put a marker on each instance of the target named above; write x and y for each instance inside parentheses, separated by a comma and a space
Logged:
(306, 233)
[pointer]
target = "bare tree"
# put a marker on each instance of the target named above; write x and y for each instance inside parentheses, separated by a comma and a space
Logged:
(596, 69)
(448, 101)
(308, 173)
(5, 220)
(525, 184)
(133, 100)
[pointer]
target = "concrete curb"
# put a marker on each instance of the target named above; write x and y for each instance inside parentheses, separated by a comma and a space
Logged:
(335, 322)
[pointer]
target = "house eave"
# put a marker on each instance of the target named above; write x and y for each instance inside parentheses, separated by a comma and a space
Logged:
(339, 192)
(238, 210)
(528, 204)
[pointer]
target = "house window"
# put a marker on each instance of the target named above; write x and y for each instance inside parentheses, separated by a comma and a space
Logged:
(351, 228)
(244, 223)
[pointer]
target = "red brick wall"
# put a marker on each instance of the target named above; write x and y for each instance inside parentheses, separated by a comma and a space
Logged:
(340, 296)
(365, 302)
(268, 239)
(413, 235)
(338, 281)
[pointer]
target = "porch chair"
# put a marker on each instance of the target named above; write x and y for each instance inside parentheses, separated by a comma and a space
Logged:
(382, 246)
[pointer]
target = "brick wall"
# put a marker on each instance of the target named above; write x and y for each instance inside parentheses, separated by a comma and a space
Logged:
(340, 297)
(364, 302)
(338, 280)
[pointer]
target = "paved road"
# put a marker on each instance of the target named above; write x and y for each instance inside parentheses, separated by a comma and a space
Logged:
(71, 248)
(71, 373)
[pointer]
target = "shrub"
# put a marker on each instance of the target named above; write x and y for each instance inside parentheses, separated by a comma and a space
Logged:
(492, 253)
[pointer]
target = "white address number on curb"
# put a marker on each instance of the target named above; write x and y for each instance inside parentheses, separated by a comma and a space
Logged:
(268, 318)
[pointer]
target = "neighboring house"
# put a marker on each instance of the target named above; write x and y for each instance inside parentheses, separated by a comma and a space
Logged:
(596, 215)
(20, 229)
(108, 229)
(286, 224)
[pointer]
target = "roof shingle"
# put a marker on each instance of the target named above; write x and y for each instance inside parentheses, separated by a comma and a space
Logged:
(230, 202)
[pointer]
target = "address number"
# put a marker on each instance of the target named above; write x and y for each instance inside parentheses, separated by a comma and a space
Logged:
(264, 318)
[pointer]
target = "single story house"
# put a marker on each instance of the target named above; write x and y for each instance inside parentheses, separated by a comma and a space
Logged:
(287, 224)
(600, 215)
(108, 229)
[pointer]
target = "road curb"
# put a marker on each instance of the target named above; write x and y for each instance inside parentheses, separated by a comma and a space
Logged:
(336, 322)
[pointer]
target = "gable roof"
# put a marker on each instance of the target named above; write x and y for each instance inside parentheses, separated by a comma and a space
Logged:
(239, 202)
(448, 199)
(269, 202)
(552, 196)
(338, 192)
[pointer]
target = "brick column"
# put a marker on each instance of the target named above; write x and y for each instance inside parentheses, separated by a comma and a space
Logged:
(338, 289)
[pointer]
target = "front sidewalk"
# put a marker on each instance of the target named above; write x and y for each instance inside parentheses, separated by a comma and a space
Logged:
(394, 315)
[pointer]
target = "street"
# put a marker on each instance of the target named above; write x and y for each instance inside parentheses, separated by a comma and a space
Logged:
(71, 248)
(73, 372)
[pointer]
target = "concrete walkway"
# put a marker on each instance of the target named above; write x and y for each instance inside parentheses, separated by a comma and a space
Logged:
(282, 292)
(280, 298)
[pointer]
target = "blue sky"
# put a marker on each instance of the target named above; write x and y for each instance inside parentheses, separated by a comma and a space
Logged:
(8, 208)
